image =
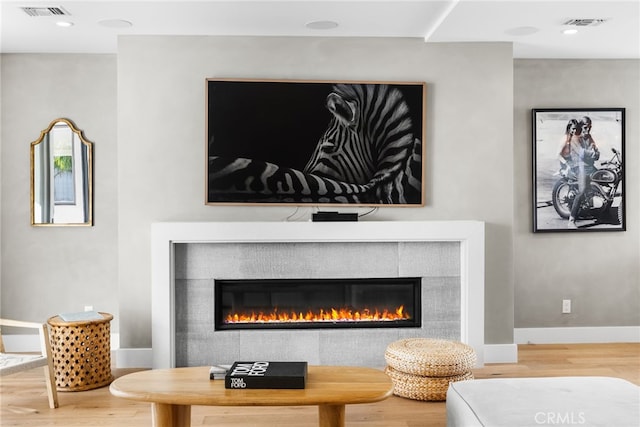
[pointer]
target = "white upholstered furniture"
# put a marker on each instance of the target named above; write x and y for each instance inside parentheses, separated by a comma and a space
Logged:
(11, 363)
(517, 402)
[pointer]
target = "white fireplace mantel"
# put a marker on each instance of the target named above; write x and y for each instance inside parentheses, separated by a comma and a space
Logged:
(470, 235)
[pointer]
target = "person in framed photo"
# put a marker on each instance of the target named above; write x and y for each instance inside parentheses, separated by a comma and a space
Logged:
(565, 150)
(582, 152)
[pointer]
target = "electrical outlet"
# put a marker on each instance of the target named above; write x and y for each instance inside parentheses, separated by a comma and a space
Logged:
(566, 306)
(88, 308)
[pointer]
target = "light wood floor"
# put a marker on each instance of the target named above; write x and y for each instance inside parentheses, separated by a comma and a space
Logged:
(24, 402)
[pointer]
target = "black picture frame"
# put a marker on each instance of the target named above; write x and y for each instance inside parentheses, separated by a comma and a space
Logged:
(564, 156)
(261, 135)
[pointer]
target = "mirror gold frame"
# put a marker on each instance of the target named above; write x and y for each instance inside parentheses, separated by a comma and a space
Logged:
(61, 176)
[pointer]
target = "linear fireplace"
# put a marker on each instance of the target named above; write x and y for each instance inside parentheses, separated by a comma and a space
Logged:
(317, 303)
(187, 259)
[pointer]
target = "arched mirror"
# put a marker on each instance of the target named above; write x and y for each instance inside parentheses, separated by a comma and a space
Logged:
(61, 176)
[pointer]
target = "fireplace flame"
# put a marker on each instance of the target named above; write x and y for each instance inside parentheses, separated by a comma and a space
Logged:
(321, 315)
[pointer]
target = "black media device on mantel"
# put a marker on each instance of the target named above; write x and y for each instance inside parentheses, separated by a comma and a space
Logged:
(333, 216)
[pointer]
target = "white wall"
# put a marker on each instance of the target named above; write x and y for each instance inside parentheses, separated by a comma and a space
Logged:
(161, 142)
(599, 272)
(144, 110)
(49, 270)
(148, 128)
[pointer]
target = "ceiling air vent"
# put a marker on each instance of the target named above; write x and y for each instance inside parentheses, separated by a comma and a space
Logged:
(584, 22)
(45, 11)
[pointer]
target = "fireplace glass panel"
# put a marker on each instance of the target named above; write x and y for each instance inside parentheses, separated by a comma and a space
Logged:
(317, 303)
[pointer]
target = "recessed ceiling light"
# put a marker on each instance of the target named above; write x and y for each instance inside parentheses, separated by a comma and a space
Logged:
(64, 24)
(522, 31)
(321, 25)
(570, 31)
(115, 23)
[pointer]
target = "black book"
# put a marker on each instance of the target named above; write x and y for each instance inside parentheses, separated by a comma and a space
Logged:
(246, 375)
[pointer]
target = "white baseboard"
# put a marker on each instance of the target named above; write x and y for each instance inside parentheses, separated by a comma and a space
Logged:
(493, 353)
(577, 335)
(22, 343)
(134, 358)
(500, 353)
(143, 357)
(123, 357)
(30, 343)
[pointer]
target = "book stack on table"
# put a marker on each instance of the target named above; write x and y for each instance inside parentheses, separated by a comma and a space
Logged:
(262, 375)
(218, 372)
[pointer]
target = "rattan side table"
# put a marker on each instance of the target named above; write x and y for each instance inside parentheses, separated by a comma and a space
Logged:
(81, 352)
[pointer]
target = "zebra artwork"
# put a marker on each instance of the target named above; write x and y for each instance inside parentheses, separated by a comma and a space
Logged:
(369, 153)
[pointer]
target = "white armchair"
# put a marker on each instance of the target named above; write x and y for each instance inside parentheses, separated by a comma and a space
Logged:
(11, 363)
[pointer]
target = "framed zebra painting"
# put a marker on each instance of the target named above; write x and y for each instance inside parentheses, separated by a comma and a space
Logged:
(315, 142)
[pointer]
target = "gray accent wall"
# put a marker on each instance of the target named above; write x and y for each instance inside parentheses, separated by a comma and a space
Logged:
(599, 272)
(161, 110)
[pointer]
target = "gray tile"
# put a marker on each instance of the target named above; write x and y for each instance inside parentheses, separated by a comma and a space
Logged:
(197, 265)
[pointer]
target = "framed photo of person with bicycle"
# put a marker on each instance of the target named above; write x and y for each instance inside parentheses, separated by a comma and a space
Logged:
(578, 169)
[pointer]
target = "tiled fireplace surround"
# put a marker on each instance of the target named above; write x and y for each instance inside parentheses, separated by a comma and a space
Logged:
(187, 257)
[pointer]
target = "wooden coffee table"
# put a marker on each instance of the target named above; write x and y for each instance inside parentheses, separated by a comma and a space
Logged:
(173, 391)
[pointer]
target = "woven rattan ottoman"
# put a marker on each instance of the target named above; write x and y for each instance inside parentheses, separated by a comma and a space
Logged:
(423, 368)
